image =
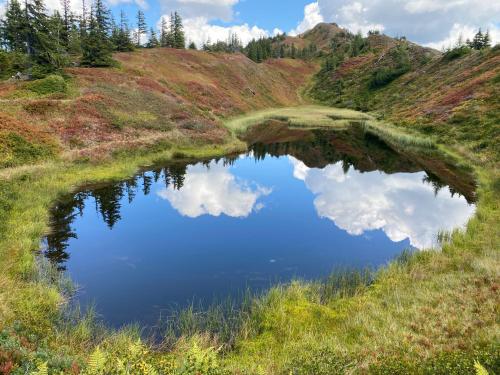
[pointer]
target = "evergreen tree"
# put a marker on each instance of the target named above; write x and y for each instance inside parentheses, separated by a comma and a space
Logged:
(14, 28)
(141, 27)
(67, 21)
(96, 46)
(282, 51)
(164, 33)
(179, 40)
(57, 30)
(477, 42)
(120, 37)
(480, 40)
(153, 40)
(487, 40)
(170, 37)
(83, 21)
(74, 39)
(192, 45)
(40, 40)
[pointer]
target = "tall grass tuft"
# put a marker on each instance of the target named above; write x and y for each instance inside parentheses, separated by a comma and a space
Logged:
(221, 321)
(344, 283)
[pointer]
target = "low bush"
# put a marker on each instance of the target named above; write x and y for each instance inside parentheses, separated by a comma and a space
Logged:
(456, 53)
(17, 150)
(385, 75)
(446, 363)
(52, 84)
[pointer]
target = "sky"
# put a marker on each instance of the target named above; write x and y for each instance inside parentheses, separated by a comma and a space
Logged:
(433, 23)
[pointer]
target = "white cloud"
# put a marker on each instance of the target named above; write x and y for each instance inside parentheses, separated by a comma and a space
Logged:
(208, 9)
(143, 4)
(312, 17)
(199, 30)
(423, 21)
(400, 204)
(3, 6)
(214, 191)
(354, 19)
(464, 32)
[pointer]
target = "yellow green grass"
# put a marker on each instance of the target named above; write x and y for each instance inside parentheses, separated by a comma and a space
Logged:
(433, 312)
(314, 116)
(300, 116)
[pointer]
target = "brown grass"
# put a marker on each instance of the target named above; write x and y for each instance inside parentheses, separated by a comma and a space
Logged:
(156, 94)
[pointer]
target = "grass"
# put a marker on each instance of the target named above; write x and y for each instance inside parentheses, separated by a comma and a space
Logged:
(314, 116)
(437, 309)
(428, 312)
(301, 116)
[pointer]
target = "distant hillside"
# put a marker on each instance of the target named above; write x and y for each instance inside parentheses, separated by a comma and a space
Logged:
(454, 96)
(322, 35)
(155, 93)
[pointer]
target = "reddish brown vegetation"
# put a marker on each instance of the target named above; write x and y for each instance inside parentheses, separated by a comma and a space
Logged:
(157, 93)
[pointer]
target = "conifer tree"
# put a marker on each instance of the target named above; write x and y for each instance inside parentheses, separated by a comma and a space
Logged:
(477, 42)
(14, 27)
(153, 40)
(164, 32)
(487, 40)
(40, 41)
(179, 40)
(67, 21)
(121, 35)
(141, 27)
(96, 46)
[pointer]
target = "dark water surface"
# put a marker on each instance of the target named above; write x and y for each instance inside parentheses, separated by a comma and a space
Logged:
(297, 206)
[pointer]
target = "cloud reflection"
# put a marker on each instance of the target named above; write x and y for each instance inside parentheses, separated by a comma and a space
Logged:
(399, 204)
(214, 191)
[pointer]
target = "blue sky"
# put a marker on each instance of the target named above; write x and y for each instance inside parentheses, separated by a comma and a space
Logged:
(434, 23)
(267, 14)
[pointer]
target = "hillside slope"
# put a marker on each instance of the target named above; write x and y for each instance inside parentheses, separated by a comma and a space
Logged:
(154, 94)
(455, 99)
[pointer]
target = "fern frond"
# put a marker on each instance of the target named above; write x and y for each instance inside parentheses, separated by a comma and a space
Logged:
(480, 370)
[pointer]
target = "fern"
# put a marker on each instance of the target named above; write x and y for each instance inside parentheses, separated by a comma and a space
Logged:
(480, 370)
(97, 361)
(42, 369)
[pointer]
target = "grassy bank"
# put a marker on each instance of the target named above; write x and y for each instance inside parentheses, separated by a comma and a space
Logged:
(32, 329)
(433, 312)
(430, 313)
(316, 116)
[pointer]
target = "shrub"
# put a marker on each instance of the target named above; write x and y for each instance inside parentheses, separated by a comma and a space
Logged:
(322, 361)
(201, 361)
(386, 75)
(445, 363)
(52, 84)
(11, 63)
(40, 107)
(17, 150)
(456, 53)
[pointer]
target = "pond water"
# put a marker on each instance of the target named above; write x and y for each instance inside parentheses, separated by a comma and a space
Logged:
(298, 205)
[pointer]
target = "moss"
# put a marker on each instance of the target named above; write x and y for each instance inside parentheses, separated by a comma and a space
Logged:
(17, 150)
(52, 84)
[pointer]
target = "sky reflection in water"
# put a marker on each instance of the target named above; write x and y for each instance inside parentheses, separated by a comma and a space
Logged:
(181, 233)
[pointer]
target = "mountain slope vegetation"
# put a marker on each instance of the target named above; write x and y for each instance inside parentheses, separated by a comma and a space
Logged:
(433, 312)
(154, 94)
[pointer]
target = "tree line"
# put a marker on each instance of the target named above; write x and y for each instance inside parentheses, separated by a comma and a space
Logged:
(37, 43)
(275, 47)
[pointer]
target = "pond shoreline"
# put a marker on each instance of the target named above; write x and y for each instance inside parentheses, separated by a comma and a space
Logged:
(35, 305)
